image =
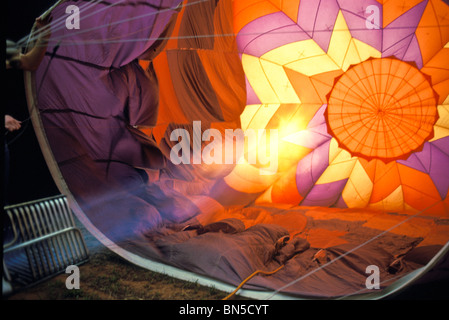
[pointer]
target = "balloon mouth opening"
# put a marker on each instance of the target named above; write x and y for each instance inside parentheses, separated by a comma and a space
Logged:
(382, 109)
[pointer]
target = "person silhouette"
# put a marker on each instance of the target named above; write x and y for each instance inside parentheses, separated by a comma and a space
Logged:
(29, 61)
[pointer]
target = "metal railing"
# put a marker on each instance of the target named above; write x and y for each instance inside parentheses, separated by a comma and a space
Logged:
(40, 240)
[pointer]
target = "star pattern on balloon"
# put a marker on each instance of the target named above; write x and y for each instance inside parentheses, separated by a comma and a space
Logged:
(363, 111)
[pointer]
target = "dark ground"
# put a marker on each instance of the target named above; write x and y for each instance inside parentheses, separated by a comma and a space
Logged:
(107, 276)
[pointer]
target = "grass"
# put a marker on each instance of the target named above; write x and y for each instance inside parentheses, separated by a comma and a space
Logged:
(106, 276)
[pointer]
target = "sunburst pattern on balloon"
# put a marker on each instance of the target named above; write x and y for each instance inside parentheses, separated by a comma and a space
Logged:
(359, 93)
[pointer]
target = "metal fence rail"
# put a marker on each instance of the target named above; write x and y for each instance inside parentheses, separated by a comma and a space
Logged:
(40, 241)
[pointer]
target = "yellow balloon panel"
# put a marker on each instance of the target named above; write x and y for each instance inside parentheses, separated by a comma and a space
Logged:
(357, 192)
(279, 82)
(292, 52)
(394, 201)
(340, 41)
(258, 79)
(248, 179)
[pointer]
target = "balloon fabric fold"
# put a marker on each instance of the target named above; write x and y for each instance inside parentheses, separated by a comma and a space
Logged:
(342, 108)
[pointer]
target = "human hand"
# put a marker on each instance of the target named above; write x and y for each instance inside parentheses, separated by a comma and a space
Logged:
(43, 22)
(43, 27)
(12, 124)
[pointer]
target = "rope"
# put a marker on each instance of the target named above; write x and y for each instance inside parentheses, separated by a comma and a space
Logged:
(34, 106)
(184, 37)
(57, 24)
(268, 273)
(350, 251)
(224, 35)
(123, 20)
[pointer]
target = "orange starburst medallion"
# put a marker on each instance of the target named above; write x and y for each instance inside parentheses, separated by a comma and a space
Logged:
(382, 109)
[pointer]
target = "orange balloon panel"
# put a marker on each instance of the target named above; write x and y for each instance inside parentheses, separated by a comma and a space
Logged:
(382, 108)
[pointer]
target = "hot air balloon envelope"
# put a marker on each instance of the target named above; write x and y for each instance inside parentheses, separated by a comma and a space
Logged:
(350, 97)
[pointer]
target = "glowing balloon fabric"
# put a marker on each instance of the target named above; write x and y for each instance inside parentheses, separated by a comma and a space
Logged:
(383, 115)
(366, 87)
(357, 93)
